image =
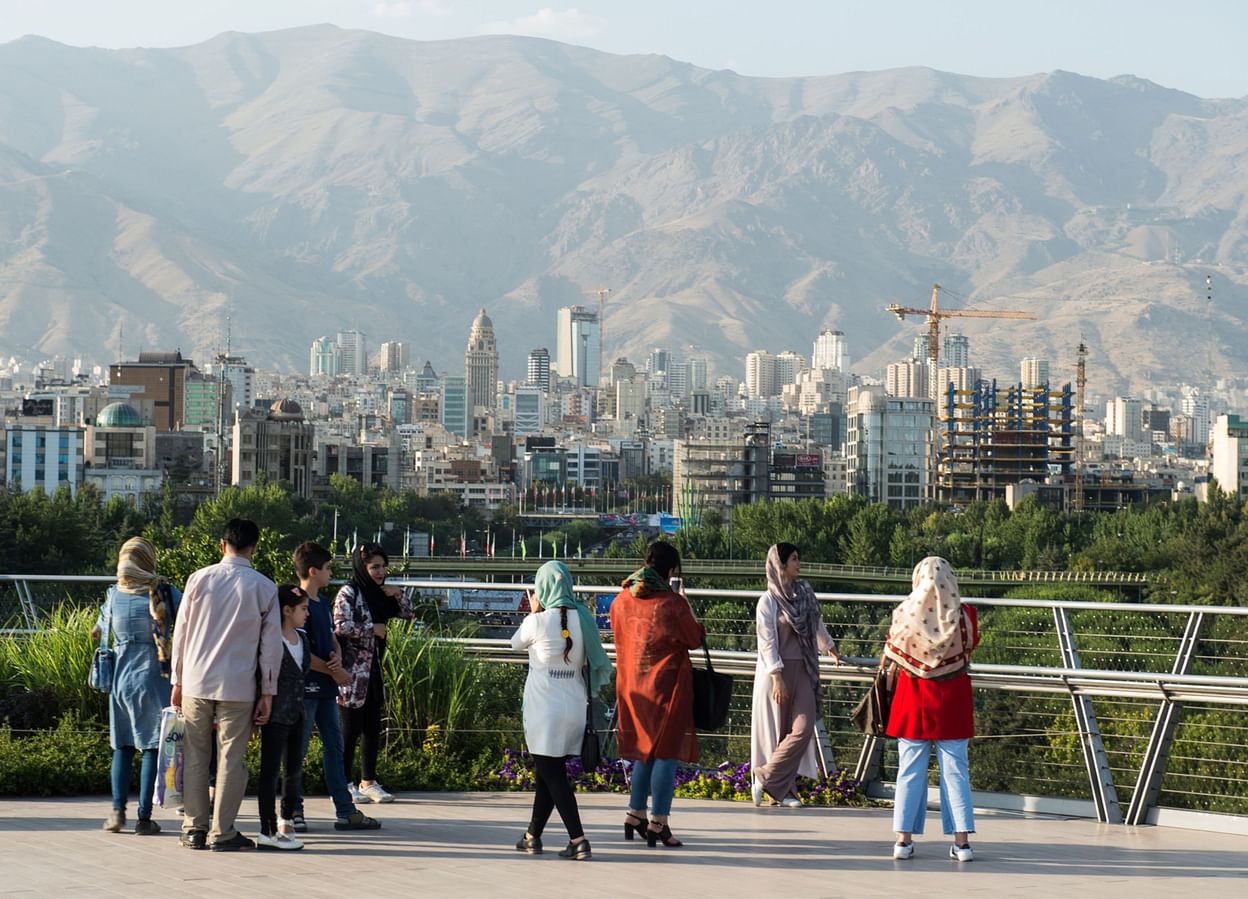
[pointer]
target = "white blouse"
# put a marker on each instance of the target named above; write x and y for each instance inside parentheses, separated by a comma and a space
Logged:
(554, 692)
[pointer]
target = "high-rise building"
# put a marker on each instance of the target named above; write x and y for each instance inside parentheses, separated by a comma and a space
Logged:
(393, 356)
(699, 373)
(42, 457)
(1034, 372)
(1196, 408)
(235, 371)
(829, 351)
(276, 445)
(659, 360)
(1124, 417)
(1230, 454)
(529, 409)
(907, 378)
(324, 358)
(456, 406)
(622, 370)
(957, 351)
(161, 380)
(578, 348)
(678, 379)
(539, 368)
(887, 447)
(789, 365)
(481, 363)
(353, 348)
(760, 375)
(919, 349)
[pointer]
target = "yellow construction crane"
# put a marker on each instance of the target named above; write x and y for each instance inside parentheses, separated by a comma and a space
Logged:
(935, 314)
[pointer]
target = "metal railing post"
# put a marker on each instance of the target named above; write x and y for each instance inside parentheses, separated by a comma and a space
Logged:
(1104, 796)
(1157, 753)
(870, 759)
(27, 599)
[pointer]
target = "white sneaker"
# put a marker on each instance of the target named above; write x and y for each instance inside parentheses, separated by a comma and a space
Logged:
(356, 796)
(791, 802)
(756, 793)
(961, 853)
(901, 851)
(278, 841)
(375, 792)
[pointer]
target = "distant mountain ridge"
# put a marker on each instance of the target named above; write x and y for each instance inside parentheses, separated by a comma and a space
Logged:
(315, 179)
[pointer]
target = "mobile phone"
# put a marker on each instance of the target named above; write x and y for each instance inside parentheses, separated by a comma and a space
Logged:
(677, 584)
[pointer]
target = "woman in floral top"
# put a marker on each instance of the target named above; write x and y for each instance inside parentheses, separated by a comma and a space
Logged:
(362, 611)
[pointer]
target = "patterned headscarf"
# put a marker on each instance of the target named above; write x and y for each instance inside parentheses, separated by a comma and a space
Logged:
(800, 608)
(930, 636)
(136, 573)
(645, 582)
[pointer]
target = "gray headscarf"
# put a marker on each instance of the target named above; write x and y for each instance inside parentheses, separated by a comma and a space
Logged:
(801, 609)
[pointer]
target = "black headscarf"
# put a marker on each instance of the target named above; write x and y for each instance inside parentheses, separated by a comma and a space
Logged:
(380, 606)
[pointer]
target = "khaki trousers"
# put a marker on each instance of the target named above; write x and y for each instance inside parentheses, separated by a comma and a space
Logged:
(234, 721)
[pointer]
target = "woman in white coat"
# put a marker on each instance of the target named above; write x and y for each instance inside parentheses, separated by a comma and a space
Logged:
(791, 634)
(561, 636)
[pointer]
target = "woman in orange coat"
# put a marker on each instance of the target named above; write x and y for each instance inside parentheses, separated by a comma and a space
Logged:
(654, 630)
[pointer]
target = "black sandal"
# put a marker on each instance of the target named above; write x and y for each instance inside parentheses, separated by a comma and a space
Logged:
(630, 828)
(665, 835)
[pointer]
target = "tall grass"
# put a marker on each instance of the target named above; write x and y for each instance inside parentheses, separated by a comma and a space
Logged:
(56, 660)
(427, 682)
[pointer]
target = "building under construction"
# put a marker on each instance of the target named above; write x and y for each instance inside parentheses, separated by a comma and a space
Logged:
(990, 436)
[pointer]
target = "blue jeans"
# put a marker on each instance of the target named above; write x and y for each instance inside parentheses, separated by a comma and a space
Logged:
(323, 712)
(654, 780)
(910, 802)
(123, 772)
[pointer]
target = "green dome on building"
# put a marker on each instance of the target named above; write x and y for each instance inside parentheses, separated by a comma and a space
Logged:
(119, 415)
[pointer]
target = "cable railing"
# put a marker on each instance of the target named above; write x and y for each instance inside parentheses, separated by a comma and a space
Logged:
(1134, 710)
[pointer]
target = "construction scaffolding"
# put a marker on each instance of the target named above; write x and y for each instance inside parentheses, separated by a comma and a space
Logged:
(989, 437)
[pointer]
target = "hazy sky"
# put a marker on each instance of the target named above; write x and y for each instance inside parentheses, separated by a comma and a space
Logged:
(1195, 46)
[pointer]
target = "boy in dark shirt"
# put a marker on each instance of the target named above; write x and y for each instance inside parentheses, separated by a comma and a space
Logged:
(313, 566)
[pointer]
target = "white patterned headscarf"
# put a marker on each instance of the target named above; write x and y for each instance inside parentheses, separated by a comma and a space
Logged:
(930, 635)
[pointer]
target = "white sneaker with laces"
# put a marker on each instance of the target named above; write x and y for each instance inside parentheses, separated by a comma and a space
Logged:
(961, 853)
(375, 792)
(356, 796)
(903, 851)
(791, 802)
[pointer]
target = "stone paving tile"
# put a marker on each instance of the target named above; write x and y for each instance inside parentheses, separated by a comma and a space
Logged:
(460, 845)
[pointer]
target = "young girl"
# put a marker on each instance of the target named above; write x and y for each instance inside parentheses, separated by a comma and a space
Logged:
(282, 737)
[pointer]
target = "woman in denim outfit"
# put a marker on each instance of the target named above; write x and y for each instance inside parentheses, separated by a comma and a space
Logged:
(139, 613)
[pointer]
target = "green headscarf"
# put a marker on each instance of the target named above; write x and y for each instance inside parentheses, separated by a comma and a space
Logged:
(554, 591)
(645, 582)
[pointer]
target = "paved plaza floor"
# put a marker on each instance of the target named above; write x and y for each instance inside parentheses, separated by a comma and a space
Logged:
(460, 845)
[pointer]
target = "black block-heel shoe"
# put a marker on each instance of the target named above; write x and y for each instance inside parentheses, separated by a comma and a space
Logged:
(531, 845)
(578, 852)
(654, 837)
(630, 828)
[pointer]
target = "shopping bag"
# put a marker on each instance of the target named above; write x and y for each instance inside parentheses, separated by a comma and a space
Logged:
(170, 761)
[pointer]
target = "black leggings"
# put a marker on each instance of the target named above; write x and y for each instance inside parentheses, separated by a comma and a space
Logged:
(278, 742)
(363, 724)
(554, 790)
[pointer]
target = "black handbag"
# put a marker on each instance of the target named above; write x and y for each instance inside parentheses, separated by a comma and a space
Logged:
(591, 745)
(870, 715)
(712, 693)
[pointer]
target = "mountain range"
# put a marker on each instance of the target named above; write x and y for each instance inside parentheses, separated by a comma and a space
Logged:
(310, 180)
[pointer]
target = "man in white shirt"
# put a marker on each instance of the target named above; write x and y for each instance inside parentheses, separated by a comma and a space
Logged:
(227, 646)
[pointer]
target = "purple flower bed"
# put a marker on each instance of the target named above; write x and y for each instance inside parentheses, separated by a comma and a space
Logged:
(726, 781)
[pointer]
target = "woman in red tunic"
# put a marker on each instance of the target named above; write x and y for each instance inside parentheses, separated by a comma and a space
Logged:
(654, 630)
(929, 646)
